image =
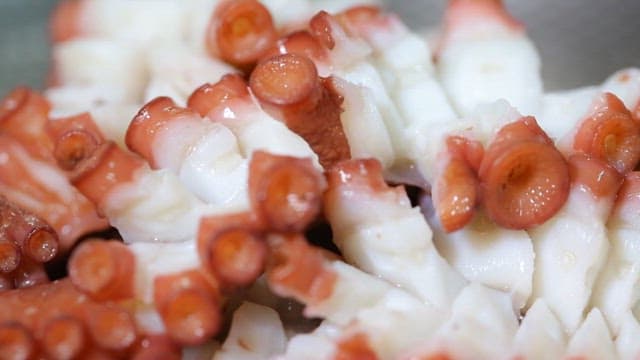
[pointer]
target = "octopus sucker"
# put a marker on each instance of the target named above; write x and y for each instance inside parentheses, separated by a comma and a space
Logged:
(233, 248)
(189, 305)
(524, 179)
(16, 342)
(103, 270)
(286, 192)
(599, 177)
(288, 85)
(239, 32)
(75, 138)
(610, 133)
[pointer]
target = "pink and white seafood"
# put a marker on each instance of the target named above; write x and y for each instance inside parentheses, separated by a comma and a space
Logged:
(615, 292)
(372, 240)
(484, 55)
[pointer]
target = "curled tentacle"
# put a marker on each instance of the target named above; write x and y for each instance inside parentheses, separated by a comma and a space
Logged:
(23, 116)
(189, 304)
(455, 192)
(285, 192)
(289, 86)
(240, 32)
(610, 133)
(152, 119)
(599, 177)
(210, 97)
(524, 180)
(104, 270)
(79, 323)
(232, 247)
(296, 269)
(108, 167)
(75, 137)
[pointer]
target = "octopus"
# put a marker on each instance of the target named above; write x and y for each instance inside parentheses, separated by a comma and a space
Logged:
(219, 170)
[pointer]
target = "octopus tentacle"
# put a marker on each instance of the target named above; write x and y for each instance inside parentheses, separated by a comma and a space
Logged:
(611, 134)
(189, 304)
(285, 192)
(153, 118)
(524, 180)
(289, 86)
(239, 32)
(232, 247)
(103, 270)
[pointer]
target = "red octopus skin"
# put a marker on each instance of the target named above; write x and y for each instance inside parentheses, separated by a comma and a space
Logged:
(288, 86)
